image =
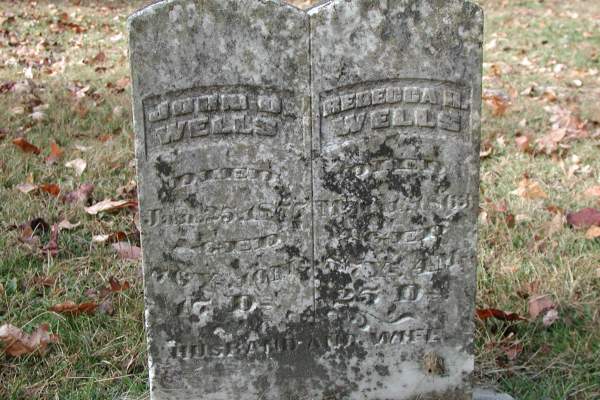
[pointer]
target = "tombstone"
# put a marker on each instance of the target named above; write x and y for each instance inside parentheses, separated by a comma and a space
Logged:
(308, 194)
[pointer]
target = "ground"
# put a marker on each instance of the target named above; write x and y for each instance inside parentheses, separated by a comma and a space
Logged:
(63, 80)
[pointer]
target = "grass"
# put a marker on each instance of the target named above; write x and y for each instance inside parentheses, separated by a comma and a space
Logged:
(102, 356)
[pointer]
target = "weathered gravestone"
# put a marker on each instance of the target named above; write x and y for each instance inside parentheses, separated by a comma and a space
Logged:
(308, 194)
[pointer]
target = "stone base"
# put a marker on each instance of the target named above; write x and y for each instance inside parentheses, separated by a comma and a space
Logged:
(490, 394)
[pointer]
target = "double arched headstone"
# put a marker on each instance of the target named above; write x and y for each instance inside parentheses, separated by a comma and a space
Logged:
(308, 195)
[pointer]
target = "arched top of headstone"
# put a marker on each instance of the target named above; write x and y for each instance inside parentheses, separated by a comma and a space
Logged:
(312, 9)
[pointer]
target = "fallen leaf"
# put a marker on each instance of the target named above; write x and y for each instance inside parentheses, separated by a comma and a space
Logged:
(66, 225)
(110, 206)
(523, 142)
(551, 142)
(592, 192)
(25, 146)
(116, 286)
(584, 219)
(540, 304)
(98, 58)
(55, 153)
(71, 308)
(51, 248)
(593, 233)
(43, 281)
(79, 196)
(498, 314)
(512, 350)
(550, 318)
(499, 102)
(530, 190)
(51, 189)
(486, 150)
(110, 238)
(106, 306)
(78, 164)
(26, 187)
(126, 251)
(128, 191)
(18, 343)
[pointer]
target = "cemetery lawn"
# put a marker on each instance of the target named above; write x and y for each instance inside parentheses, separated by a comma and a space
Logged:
(64, 80)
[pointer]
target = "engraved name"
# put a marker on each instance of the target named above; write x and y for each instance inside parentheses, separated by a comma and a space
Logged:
(202, 113)
(394, 107)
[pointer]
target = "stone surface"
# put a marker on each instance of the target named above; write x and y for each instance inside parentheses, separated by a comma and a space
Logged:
(489, 394)
(308, 194)
(396, 87)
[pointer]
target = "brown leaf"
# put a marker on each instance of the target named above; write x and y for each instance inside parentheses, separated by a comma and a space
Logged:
(55, 153)
(512, 350)
(51, 189)
(79, 196)
(584, 219)
(487, 148)
(51, 248)
(71, 308)
(25, 146)
(499, 103)
(106, 306)
(128, 191)
(530, 190)
(110, 206)
(540, 304)
(593, 233)
(523, 142)
(17, 343)
(116, 286)
(98, 58)
(592, 192)
(110, 238)
(498, 314)
(43, 281)
(126, 251)
(551, 142)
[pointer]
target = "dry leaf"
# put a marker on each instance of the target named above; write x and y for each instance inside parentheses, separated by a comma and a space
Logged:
(25, 146)
(110, 238)
(78, 164)
(512, 350)
(498, 314)
(550, 318)
(51, 189)
(17, 343)
(584, 219)
(540, 304)
(487, 148)
(66, 225)
(79, 196)
(110, 206)
(51, 248)
(116, 286)
(71, 308)
(55, 153)
(592, 192)
(593, 233)
(530, 190)
(523, 142)
(26, 187)
(499, 102)
(126, 251)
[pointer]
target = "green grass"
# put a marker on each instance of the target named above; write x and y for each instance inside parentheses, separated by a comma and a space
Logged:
(102, 356)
